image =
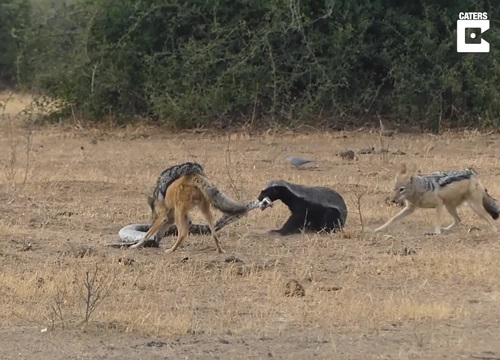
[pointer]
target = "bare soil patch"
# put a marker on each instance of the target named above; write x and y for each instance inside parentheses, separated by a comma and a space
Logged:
(396, 295)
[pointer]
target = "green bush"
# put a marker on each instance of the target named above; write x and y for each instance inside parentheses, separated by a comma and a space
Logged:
(14, 18)
(191, 63)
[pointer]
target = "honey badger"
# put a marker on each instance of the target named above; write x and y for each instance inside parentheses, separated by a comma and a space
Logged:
(313, 208)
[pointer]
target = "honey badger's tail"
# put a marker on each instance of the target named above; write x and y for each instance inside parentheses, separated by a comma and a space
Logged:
(218, 199)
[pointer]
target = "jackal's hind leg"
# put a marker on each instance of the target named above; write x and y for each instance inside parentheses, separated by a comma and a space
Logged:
(205, 208)
(182, 223)
(477, 207)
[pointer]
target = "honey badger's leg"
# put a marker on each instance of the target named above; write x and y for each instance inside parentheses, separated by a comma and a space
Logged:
(293, 225)
(331, 220)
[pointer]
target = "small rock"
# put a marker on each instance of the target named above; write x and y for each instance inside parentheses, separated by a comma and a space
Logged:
(348, 155)
(126, 261)
(65, 213)
(155, 343)
(27, 248)
(82, 251)
(293, 288)
(232, 259)
(472, 229)
(406, 251)
(487, 355)
(330, 288)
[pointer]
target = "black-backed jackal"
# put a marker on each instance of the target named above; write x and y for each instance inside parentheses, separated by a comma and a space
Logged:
(442, 190)
(182, 196)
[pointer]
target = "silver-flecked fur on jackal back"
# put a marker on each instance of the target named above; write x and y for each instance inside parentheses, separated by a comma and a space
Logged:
(169, 175)
(442, 190)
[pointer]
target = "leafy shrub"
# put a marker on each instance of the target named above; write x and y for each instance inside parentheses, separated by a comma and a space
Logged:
(191, 63)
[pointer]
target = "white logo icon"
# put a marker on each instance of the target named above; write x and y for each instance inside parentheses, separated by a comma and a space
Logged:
(469, 26)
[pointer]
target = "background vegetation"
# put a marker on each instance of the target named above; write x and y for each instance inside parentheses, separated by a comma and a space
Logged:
(219, 62)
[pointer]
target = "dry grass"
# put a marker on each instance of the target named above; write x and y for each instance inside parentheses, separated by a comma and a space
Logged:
(83, 187)
(13, 103)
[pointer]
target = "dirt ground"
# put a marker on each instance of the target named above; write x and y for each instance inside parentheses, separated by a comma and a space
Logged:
(396, 295)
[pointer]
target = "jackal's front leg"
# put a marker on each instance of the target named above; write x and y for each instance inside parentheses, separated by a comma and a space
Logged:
(159, 223)
(402, 214)
(438, 220)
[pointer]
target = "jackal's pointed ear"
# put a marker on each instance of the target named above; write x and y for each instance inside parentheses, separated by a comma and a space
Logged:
(412, 169)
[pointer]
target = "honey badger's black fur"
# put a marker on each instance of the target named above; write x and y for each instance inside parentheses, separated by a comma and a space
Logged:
(313, 208)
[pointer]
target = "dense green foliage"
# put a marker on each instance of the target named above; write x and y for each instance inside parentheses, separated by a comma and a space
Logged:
(207, 62)
(14, 18)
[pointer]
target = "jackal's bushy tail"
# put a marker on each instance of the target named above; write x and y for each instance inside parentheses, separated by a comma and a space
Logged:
(218, 199)
(490, 205)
